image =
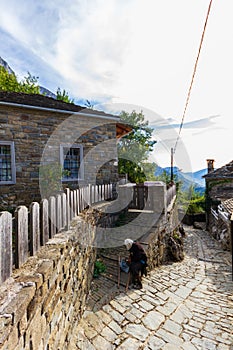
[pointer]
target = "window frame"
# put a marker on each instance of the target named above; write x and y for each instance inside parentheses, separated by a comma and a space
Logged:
(13, 167)
(81, 168)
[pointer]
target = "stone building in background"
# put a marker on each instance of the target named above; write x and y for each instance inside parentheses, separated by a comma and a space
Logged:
(46, 145)
(219, 201)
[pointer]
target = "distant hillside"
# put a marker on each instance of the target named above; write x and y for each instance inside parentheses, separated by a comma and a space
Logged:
(187, 179)
(197, 175)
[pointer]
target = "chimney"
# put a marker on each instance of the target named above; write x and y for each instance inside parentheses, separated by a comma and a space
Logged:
(210, 165)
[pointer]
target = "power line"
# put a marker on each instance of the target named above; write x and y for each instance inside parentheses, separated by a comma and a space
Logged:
(193, 76)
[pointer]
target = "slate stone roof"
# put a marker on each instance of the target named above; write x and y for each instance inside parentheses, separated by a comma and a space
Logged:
(41, 101)
(225, 172)
(38, 101)
(228, 205)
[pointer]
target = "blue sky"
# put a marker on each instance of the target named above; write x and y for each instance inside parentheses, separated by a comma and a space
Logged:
(134, 54)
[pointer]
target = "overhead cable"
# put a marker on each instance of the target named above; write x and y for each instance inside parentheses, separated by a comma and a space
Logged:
(193, 76)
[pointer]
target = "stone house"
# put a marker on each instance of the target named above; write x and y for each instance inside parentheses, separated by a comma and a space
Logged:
(219, 199)
(46, 145)
(222, 228)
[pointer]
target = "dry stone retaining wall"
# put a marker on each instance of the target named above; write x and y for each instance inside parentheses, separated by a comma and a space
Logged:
(43, 299)
(158, 244)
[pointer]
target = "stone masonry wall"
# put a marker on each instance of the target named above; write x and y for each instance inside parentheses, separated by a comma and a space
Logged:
(220, 189)
(44, 299)
(31, 132)
(221, 231)
(158, 244)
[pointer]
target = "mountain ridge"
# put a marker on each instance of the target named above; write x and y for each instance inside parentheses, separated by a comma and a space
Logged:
(187, 178)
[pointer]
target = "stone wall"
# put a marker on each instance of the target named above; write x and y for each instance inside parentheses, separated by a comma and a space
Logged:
(41, 304)
(164, 241)
(31, 132)
(44, 299)
(219, 190)
(162, 238)
(220, 228)
(217, 223)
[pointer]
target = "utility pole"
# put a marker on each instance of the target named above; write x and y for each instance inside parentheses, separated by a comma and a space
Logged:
(172, 154)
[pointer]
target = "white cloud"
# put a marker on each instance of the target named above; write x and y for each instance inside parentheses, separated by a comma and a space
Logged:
(84, 41)
(137, 53)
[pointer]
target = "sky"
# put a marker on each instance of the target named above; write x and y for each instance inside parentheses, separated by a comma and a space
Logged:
(134, 55)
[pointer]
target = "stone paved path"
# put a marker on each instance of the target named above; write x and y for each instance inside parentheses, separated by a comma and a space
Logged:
(187, 305)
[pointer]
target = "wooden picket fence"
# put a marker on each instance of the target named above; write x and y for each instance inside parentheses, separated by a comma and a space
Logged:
(24, 233)
(171, 193)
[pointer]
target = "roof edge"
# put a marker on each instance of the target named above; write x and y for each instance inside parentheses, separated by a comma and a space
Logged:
(99, 115)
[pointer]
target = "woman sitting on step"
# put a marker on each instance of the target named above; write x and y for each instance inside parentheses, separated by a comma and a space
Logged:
(137, 262)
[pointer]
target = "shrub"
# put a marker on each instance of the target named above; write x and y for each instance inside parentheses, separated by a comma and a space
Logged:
(99, 268)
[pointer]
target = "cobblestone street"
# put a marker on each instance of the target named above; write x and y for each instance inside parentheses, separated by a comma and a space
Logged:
(187, 305)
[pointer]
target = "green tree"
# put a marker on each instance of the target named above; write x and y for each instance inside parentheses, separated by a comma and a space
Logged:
(51, 178)
(166, 178)
(29, 84)
(9, 82)
(191, 201)
(134, 148)
(63, 96)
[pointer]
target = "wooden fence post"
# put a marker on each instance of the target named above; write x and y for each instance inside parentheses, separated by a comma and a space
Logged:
(34, 228)
(67, 207)
(95, 193)
(82, 198)
(110, 191)
(5, 245)
(21, 235)
(90, 194)
(52, 216)
(75, 203)
(44, 221)
(101, 193)
(105, 192)
(78, 201)
(86, 196)
(58, 212)
(64, 210)
(71, 205)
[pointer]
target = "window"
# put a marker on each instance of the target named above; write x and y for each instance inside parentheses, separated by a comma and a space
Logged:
(7, 163)
(71, 160)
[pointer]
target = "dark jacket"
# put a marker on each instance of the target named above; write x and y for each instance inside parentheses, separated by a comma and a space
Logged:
(137, 253)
